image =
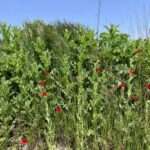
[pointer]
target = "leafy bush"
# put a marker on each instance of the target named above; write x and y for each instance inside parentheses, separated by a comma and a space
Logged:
(61, 83)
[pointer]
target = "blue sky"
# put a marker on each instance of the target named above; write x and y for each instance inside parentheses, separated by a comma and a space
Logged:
(121, 12)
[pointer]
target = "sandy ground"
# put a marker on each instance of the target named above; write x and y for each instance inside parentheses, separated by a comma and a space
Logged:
(56, 147)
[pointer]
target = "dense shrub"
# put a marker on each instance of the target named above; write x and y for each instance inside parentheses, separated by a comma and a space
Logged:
(61, 83)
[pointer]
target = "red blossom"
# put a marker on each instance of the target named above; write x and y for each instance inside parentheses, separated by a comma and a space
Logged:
(132, 72)
(44, 93)
(97, 69)
(133, 98)
(122, 85)
(23, 141)
(58, 109)
(148, 86)
(138, 51)
(43, 83)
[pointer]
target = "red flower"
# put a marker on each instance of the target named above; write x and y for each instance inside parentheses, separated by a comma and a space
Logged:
(133, 98)
(97, 69)
(23, 141)
(148, 86)
(44, 93)
(58, 109)
(122, 85)
(138, 51)
(132, 72)
(46, 74)
(43, 83)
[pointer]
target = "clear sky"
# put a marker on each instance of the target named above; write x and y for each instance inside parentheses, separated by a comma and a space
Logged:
(121, 12)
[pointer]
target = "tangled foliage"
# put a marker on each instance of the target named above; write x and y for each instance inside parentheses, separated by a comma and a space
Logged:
(60, 83)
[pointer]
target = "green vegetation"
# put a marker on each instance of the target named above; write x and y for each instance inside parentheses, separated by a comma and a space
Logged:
(61, 84)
